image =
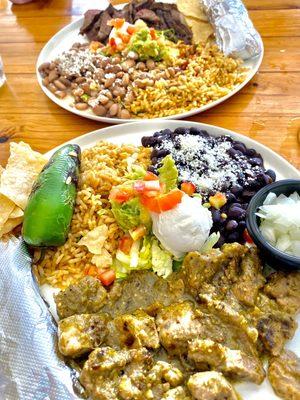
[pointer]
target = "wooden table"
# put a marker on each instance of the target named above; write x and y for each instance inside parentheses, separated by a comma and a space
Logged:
(267, 109)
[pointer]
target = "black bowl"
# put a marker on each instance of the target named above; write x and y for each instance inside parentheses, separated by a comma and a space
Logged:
(274, 257)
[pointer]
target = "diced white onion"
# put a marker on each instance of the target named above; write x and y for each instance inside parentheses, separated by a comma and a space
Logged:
(280, 216)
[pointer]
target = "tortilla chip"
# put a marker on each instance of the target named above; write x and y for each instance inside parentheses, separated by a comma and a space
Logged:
(94, 240)
(192, 8)
(17, 212)
(22, 169)
(102, 260)
(10, 224)
(201, 30)
(6, 208)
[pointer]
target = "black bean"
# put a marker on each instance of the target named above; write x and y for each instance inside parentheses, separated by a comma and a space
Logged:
(240, 147)
(248, 193)
(233, 237)
(180, 131)
(242, 225)
(205, 134)
(149, 141)
(156, 134)
(236, 212)
(231, 152)
(244, 206)
(230, 197)
(236, 189)
(154, 160)
(264, 179)
(216, 216)
(221, 241)
(251, 152)
(256, 161)
(195, 131)
(162, 153)
(154, 153)
(152, 169)
(231, 225)
(166, 132)
(271, 174)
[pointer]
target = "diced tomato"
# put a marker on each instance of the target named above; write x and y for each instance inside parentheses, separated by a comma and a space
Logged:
(116, 22)
(188, 188)
(150, 176)
(146, 186)
(121, 195)
(131, 29)
(91, 270)
(124, 37)
(112, 43)
(138, 233)
(170, 200)
(125, 244)
(107, 277)
(247, 237)
(153, 33)
(151, 203)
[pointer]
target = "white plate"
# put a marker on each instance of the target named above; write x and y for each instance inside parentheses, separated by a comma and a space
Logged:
(132, 134)
(64, 39)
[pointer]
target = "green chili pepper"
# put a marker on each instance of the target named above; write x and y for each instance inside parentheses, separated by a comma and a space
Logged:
(50, 207)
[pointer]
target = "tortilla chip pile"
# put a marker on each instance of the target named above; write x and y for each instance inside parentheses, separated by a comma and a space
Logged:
(16, 182)
(196, 19)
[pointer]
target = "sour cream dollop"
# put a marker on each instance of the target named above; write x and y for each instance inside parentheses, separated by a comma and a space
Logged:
(184, 228)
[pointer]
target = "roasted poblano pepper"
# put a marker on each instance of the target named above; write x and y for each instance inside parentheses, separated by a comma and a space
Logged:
(50, 207)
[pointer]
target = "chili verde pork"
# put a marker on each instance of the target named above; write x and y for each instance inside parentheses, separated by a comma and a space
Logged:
(190, 336)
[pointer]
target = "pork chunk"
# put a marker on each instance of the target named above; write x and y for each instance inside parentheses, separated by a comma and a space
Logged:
(82, 333)
(134, 331)
(176, 325)
(249, 278)
(178, 393)
(211, 385)
(109, 374)
(285, 289)
(235, 364)
(274, 330)
(86, 297)
(284, 375)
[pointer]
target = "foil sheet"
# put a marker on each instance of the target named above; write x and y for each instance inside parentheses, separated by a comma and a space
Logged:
(235, 33)
(30, 368)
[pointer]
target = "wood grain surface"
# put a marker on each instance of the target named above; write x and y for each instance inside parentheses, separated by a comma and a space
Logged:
(267, 109)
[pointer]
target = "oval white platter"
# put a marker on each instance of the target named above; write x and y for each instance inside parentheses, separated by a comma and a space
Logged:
(131, 134)
(64, 39)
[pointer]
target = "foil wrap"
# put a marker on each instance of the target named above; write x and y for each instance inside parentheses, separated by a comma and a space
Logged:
(30, 368)
(235, 33)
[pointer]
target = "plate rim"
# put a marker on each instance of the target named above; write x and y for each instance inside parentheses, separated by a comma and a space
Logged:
(187, 114)
(114, 131)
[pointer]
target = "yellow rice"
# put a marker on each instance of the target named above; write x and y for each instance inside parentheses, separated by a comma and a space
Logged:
(209, 76)
(102, 167)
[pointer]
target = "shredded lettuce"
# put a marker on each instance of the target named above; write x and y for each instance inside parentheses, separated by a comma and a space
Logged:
(130, 214)
(161, 260)
(168, 173)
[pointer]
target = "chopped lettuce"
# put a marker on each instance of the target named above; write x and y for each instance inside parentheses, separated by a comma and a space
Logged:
(135, 172)
(144, 254)
(130, 214)
(168, 173)
(161, 260)
(210, 242)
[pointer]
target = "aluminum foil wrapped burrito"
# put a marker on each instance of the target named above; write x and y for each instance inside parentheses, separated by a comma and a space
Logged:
(235, 33)
(30, 368)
